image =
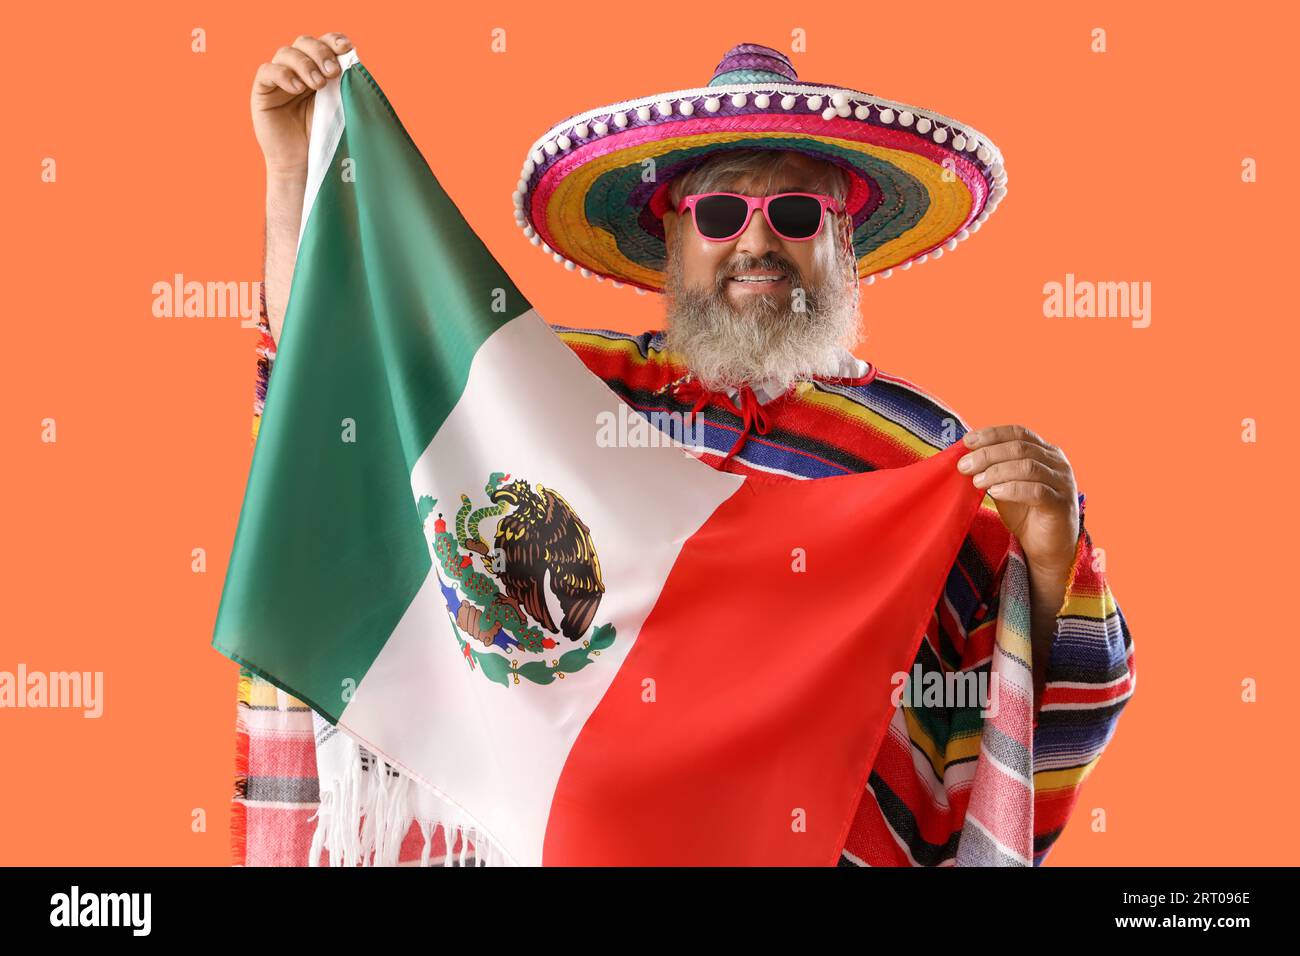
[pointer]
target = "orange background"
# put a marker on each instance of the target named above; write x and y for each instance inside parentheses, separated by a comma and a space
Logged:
(1123, 166)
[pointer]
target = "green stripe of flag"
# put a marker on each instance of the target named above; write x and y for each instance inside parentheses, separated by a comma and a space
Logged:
(392, 295)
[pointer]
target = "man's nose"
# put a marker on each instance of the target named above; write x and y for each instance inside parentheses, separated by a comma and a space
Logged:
(758, 239)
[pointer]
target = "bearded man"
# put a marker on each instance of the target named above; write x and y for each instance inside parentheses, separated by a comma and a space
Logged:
(769, 202)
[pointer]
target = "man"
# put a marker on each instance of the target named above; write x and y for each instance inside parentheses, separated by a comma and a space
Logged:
(758, 220)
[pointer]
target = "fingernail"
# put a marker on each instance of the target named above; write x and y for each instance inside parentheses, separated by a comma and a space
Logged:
(969, 439)
(296, 84)
(330, 66)
(316, 77)
(966, 463)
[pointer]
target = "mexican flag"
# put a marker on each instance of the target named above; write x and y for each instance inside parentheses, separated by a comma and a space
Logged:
(601, 651)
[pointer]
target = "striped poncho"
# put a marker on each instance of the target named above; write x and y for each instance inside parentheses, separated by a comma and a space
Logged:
(948, 786)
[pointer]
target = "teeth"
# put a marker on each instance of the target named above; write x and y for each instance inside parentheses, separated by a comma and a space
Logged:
(757, 278)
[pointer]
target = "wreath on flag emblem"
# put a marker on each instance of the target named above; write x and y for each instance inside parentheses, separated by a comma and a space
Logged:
(495, 593)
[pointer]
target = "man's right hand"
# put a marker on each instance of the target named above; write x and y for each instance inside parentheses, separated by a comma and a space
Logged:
(284, 94)
(284, 91)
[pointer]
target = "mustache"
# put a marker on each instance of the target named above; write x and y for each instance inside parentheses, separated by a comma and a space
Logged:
(769, 263)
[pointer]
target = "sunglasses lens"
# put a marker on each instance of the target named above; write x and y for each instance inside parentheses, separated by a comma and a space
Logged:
(717, 217)
(795, 217)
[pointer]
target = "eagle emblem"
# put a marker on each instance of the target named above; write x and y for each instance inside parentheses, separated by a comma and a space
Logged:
(496, 594)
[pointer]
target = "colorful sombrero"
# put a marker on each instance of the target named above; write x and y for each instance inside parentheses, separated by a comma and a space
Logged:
(921, 182)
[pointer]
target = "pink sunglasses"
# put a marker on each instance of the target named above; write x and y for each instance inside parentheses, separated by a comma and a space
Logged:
(794, 216)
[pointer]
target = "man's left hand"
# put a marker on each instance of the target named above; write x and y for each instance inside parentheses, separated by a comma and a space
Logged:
(1032, 483)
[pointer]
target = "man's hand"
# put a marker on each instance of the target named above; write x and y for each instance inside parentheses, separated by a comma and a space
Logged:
(284, 91)
(283, 100)
(1033, 485)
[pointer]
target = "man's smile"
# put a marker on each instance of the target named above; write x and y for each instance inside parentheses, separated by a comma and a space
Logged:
(759, 280)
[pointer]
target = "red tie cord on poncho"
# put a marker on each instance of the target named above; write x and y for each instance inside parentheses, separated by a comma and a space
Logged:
(750, 411)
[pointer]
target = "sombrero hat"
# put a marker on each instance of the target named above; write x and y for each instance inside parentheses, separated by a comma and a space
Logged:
(920, 181)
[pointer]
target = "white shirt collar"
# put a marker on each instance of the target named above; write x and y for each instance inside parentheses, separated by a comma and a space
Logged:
(850, 366)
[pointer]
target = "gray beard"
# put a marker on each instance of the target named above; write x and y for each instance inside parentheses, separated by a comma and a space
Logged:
(766, 338)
